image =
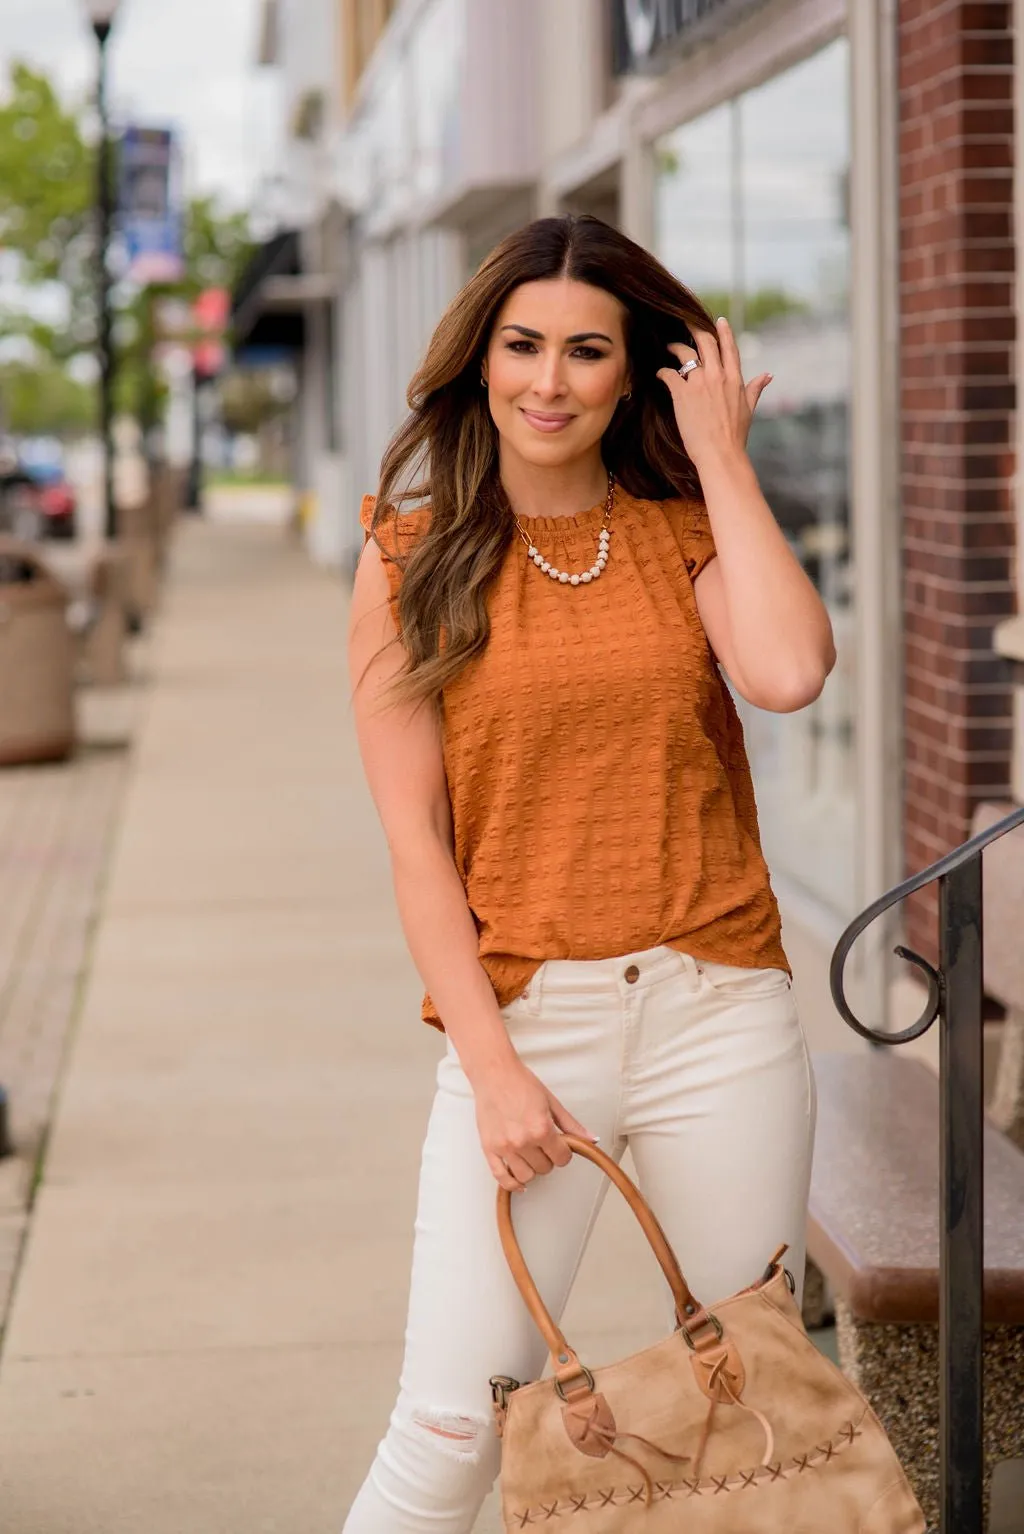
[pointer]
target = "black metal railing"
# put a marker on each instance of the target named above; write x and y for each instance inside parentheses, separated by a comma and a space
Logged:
(955, 992)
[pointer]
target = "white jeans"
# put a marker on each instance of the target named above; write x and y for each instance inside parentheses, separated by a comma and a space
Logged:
(702, 1070)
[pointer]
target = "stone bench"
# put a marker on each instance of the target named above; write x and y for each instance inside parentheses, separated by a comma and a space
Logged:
(873, 1231)
(1003, 895)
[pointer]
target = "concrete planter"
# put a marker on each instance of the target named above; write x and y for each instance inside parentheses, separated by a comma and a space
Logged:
(37, 722)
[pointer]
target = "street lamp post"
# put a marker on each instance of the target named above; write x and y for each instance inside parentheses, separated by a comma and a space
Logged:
(101, 14)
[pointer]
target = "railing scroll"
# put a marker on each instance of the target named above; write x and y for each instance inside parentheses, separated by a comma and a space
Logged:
(955, 991)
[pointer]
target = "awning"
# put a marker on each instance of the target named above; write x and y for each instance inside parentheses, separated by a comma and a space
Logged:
(270, 298)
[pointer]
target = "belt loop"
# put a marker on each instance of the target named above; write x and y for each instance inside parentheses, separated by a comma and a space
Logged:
(534, 991)
(691, 967)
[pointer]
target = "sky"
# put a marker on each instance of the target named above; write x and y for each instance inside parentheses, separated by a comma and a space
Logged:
(184, 63)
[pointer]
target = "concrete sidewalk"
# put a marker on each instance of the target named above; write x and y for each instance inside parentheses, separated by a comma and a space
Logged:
(206, 1330)
(206, 1325)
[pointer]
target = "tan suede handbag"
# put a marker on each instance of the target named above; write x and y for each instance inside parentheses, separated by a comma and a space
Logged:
(734, 1423)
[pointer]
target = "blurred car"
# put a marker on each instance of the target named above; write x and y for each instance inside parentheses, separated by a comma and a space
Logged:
(56, 502)
(36, 500)
(20, 512)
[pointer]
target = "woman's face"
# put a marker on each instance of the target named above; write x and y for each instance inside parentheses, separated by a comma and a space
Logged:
(556, 368)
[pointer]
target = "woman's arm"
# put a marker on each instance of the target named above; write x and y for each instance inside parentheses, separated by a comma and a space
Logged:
(401, 748)
(764, 620)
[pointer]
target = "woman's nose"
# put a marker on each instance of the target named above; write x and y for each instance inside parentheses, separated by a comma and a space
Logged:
(549, 381)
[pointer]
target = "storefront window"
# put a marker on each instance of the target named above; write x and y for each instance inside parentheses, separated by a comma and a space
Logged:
(751, 212)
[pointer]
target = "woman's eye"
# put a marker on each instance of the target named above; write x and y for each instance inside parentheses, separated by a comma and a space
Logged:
(584, 353)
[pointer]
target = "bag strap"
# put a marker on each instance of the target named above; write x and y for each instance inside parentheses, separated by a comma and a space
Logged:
(566, 1363)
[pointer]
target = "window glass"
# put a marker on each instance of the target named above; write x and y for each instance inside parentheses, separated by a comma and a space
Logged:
(751, 212)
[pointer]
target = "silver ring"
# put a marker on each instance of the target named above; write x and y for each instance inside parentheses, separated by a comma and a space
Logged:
(688, 367)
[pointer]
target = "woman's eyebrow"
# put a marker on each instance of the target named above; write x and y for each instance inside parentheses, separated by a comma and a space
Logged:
(583, 335)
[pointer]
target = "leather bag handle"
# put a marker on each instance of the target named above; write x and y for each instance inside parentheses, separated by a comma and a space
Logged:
(567, 1365)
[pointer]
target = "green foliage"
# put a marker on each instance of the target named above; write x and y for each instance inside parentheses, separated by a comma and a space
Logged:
(667, 160)
(40, 398)
(47, 193)
(48, 176)
(247, 400)
(138, 389)
(240, 477)
(759, 307)
(217, 246)
(47, 185)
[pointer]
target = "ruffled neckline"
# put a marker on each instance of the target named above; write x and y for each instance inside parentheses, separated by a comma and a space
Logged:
(591, 518)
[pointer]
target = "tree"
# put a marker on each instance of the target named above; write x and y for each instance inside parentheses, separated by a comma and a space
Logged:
(48, 170)
(47, 192)
(40, 398)
(760, 306)
(249, 399)
(217, 246)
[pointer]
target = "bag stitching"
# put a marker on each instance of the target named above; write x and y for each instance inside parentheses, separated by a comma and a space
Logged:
(617, 1496)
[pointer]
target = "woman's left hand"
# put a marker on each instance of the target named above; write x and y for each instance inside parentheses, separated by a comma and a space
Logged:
(713, 406)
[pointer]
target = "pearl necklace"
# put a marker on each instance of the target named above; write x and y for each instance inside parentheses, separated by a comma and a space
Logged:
(583, 577)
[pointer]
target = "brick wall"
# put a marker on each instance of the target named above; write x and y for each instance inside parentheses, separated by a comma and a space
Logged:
(957, 324)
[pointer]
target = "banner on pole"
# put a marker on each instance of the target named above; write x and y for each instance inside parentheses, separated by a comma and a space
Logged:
(150, 205)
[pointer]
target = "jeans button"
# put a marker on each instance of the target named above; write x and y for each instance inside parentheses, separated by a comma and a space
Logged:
(632, 974)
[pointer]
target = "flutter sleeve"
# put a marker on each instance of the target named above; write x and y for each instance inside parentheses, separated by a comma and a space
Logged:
(692, 527)
(396, 535)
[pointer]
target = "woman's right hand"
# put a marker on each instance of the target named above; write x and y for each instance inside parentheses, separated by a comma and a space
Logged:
(522, 1126)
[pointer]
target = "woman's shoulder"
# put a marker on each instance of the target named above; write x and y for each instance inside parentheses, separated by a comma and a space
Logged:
(687, 518)
(677, 509)
(395, 532)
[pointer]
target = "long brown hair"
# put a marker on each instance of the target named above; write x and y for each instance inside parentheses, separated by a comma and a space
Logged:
(446, 451)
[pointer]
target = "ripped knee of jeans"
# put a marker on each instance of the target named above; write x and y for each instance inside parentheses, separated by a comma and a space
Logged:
(459, 1434)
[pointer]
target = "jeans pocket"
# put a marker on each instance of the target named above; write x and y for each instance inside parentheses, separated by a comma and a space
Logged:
(745, 983)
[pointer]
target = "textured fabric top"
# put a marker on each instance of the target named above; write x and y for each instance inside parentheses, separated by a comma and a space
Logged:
(601, 796)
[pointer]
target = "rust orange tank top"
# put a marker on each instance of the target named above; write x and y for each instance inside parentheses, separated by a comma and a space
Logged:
(601, 796)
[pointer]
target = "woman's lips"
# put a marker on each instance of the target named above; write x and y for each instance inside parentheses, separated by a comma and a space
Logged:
(542, 422)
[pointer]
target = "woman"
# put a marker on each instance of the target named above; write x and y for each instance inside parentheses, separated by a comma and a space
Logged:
(537, 659)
